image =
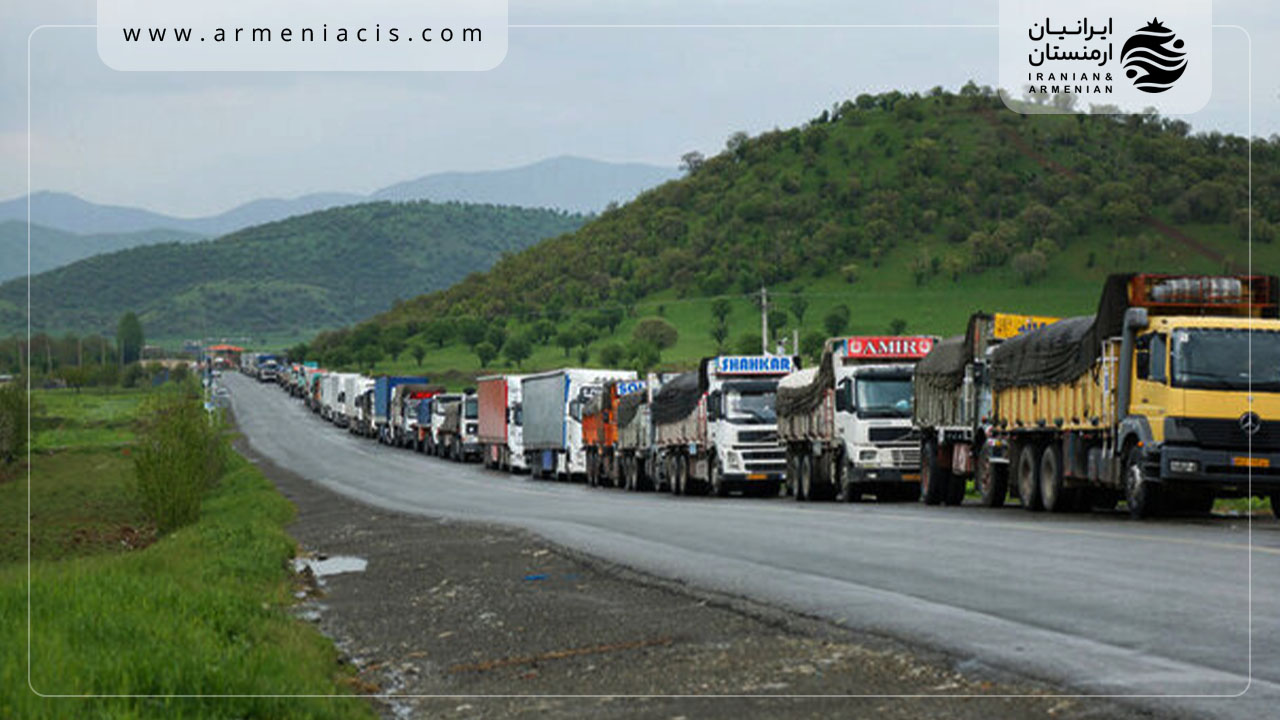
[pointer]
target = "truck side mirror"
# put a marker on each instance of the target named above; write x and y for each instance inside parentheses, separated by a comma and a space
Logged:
(714, 400)
(842, 396)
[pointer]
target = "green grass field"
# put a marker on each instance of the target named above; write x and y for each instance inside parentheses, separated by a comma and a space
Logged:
(116, 610)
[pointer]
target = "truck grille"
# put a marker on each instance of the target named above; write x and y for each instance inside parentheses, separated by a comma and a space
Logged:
(758, 436)
(1225, 434)
(879, 435)
(905, 458)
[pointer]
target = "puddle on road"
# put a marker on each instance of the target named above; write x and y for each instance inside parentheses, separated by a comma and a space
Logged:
(331, 565)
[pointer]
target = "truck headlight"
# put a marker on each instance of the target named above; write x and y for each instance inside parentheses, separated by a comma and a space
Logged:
(1184, 466)
(866, 455)
(733, 460)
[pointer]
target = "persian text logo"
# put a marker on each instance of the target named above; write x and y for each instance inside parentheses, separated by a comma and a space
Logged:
(1154, 57)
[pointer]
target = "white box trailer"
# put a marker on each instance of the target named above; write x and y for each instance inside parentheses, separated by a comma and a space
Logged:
(551, 404)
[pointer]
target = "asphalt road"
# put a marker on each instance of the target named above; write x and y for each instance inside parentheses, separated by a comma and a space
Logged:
(1159, 611)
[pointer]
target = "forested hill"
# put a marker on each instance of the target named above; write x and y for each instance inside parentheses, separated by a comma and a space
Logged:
(914, 207)
(293, 276)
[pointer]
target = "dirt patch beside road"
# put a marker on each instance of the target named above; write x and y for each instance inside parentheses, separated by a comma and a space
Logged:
(460, 609)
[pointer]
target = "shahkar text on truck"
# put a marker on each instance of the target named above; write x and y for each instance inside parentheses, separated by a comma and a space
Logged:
(716, 430)
(1168, 397)
(953, 412)
(846, 424)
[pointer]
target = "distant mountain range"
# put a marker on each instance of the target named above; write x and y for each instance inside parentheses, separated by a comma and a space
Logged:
(54, 248)
(572, 184)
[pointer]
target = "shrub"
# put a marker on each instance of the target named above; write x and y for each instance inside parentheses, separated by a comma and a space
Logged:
(181, 453)
(13, 421)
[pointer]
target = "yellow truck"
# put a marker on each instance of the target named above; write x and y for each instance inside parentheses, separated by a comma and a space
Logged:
(1168, 398)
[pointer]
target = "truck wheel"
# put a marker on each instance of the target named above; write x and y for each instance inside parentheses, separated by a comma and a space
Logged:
(1140, 494)
(954, 488)
(832, 478)
(804, 481)
(682, 474)
(1053, 496)
(716, 481)
(992, 480)
(1029, 476)
(850, 492)
(932, 484)
(793, 474)
(592, 470)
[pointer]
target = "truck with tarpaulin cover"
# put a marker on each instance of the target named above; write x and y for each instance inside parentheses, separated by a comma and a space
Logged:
(382, 387)
(552, 404)
(1167, 397)
(600, 432)
(715, 429)
(846, 424)
(500, 419)
(953, 411)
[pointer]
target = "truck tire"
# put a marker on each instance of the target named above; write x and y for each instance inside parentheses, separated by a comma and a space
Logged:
(1027, 472)
(716, 480)
(991, 479)
(592, 471)
(1054, 496)
(793, 473)
(932, 483)
(832, 478)
(954, 490)
(804, 478)
(1140, 494)
(682, 474)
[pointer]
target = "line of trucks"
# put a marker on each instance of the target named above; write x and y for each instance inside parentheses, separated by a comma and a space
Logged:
(1168, 397)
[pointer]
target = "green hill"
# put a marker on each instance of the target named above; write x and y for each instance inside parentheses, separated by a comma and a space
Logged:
(51, 248)
(908, 211)
(286, 278)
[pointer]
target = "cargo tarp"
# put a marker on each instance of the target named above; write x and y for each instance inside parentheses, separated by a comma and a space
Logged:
(677, 399)
(803, 399)
(1063, 351)
(629, 406)
(943, 368)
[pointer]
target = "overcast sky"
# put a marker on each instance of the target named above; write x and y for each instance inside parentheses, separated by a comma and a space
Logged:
(199, 143)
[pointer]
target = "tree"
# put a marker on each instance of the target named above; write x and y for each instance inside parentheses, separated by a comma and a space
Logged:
(129, 338)
(395, 346)
(472, 331)
(656, 331)
(836, 320)
(720, 333)
(439, 332)
(799, 306)
(748, 344)
(518, 349)
(692, 161)
(720, 309)
(1030, 265)
(419, 352)
(496, 336)
(369, 356)
(567, 340)
(897, 326)
(612, 355)
(486, 352)
(811, 344)
(644, 355)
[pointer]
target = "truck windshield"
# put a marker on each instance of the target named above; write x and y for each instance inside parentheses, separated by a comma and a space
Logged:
(884, 397)
(1212, 359)
(471, 408)
(750, 407)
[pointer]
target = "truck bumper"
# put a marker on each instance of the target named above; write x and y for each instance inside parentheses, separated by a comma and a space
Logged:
(472, 450)
(883, 476)
(1228, 471)
(740, 478)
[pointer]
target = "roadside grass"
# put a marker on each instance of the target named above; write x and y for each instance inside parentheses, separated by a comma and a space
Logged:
(82, 503)
(91, 418)
(204, 610)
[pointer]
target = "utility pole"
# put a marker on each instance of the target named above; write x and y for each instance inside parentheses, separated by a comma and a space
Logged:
(764, 320)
